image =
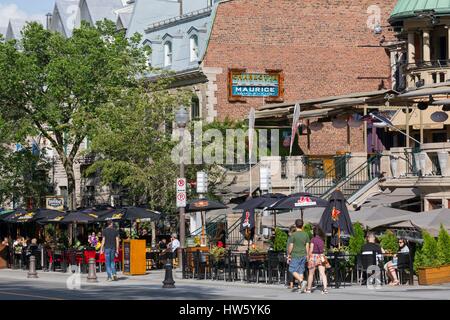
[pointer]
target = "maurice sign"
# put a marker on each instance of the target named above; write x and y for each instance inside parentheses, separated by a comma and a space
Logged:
(243, 84)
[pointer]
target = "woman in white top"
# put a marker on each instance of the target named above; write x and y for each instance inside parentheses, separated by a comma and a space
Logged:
(391, 266)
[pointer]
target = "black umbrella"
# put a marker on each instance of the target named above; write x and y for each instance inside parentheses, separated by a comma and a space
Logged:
(299, 201)
(78, 217)
(261, 202)
(335, 219)
(47, 214)
(204, 205)
(130, 213)
(20, 216)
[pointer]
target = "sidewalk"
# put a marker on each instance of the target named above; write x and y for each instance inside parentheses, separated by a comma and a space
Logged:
(53, 284)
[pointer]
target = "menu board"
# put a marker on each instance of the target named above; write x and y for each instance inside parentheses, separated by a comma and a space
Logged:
(126, 257)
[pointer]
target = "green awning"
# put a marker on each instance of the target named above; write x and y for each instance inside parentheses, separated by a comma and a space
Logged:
(409, 8)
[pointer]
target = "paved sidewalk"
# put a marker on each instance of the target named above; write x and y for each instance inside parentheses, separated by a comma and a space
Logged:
(52, 285)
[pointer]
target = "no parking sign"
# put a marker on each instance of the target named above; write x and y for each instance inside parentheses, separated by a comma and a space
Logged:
(181, 193)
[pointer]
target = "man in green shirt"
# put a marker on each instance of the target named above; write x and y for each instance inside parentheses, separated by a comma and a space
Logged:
(297, 251)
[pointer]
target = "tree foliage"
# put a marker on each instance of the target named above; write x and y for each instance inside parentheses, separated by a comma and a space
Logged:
(356, 242)
(443, 246)
(427, 255)
(280, 240)
(389, 242)
(55, 86)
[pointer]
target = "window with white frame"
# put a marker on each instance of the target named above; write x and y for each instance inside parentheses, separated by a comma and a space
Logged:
(168, 54)
(194, 47)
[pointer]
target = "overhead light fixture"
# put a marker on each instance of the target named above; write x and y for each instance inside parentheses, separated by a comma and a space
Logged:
(422, 105)
(378, 29)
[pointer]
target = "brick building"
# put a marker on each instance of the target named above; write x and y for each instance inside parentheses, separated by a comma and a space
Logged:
(322, 48)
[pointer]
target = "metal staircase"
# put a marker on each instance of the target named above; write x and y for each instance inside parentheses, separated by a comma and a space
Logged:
(234, 236)
(330, 178)
(350, 184)
(211, 226)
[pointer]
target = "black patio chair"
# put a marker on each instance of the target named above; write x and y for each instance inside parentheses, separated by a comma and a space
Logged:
(231, 266)
(403, 266)
(364, 261)
(274, 268)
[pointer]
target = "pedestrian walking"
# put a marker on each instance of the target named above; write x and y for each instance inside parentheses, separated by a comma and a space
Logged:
(290, 277)
(297, 254)
(110, 246)
(317, 259)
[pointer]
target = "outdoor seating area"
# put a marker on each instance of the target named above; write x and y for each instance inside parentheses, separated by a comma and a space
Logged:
(272, 268)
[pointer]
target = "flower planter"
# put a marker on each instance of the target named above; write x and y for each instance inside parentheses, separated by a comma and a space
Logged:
(428, 276)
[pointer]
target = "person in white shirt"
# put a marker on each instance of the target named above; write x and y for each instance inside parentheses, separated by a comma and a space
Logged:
(174, 243)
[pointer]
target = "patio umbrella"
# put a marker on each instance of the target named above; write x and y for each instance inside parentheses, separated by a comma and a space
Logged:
(44, 214)
(264, 201)
(335, 219)
(431, 220)
(299, 201)
(78, 217)
(20, 216)
(129, 213)
(204, 205)
(378, 216)
(285, 220)
(5, 213)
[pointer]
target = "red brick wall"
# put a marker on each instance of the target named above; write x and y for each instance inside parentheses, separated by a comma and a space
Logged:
(315, 42)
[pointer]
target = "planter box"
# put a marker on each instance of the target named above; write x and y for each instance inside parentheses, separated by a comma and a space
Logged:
(439, 275)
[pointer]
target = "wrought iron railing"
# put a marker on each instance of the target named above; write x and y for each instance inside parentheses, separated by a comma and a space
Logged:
(330, 178)
(234, 236)
(211, 226)
(358, 178)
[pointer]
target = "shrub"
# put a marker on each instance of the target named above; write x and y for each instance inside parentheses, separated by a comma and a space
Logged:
(308, 229)
(389, 242)
(280, 240)
(427, 255)
(217, 252)
(356, 242)
(443, 246)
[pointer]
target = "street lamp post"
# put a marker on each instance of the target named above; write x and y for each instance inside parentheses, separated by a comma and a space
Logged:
(181, 119)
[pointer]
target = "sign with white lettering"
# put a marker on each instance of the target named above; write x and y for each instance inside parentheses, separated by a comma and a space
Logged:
(243, 84)
(55, 203)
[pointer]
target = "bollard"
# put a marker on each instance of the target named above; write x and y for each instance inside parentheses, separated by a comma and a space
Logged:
(32, 272)
(168, 279)
(92, 276)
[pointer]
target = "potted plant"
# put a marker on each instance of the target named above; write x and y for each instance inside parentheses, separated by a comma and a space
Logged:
(432, 260)
(356, 243)
(279, 243)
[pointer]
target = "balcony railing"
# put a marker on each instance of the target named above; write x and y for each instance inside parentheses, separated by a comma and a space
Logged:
(423, 73)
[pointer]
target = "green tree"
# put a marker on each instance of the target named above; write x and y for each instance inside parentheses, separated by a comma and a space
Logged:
(427, 255)
(55, 86)
(443, 246)
(133, 146)
(23, 174)
(356, 242)
(389, 242)
(280, 240)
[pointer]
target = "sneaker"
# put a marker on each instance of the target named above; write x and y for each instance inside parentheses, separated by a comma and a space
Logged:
(114, 277)
(303, 287)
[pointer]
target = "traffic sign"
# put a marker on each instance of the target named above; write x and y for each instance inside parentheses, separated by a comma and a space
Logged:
(181, 193)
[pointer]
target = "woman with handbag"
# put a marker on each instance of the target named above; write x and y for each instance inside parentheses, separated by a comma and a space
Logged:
(317, 258)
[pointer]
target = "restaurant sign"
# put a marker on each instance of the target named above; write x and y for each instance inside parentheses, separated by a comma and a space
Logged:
(55, 203)
(266, 85)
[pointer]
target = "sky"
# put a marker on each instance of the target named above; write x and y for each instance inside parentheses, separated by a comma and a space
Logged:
(24, 10)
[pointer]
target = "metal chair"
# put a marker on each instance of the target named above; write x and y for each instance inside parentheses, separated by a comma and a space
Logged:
(403, 265)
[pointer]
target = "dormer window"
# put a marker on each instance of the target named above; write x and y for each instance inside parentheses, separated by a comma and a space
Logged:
(168, 54)
(194, 48)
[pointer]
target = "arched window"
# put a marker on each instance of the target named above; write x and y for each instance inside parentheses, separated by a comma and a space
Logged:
(168, 54)
(194, 48)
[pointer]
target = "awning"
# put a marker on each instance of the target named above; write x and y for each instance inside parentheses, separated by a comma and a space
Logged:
(399, 119)
(425, 92)
(387, 197)
(344, 102)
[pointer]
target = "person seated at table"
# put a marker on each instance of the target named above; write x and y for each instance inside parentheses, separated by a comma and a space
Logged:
(162, 244)
(371, 246)
(93, 240)
(391, 266)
